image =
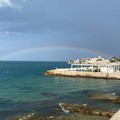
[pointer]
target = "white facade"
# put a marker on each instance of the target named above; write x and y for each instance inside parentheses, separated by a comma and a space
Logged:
(96, 65)
(110, 68)
(106, 69)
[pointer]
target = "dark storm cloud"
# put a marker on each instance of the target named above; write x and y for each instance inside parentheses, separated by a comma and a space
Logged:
(90, 24)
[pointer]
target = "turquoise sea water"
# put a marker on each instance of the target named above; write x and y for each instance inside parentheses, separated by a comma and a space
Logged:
(24, 89)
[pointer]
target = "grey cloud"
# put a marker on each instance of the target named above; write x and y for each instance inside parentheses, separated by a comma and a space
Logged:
(89, 23)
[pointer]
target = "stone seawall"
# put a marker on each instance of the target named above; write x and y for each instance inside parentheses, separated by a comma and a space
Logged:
(71, 73)
(116, 116)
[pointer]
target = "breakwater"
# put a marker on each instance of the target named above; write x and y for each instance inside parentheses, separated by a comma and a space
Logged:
(73, 73)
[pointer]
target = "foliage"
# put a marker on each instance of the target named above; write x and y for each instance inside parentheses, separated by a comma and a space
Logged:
(89, 70)
(99, 59)
(115, 59)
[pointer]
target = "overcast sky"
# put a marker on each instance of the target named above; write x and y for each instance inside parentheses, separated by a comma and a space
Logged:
(59, 29)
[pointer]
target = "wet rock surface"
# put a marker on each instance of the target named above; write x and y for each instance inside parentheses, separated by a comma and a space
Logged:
(85, 110)
(76, 112)
(32, 116)
(79, 111)
(71, 117)
(111, 97)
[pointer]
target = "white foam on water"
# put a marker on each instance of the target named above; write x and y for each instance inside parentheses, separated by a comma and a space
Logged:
(66, 111)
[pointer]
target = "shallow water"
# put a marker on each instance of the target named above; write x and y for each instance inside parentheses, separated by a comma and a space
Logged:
(24, 89)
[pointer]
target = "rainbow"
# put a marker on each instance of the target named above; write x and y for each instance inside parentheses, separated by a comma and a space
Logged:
(42, 48)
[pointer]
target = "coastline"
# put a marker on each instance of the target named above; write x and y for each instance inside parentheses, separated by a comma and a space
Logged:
(67, 72)
(79, 112)
(78, 74)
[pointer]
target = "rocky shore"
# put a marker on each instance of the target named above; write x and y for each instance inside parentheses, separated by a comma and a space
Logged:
(71, 73)
(85, 110)
(81, 111)
(72, 117)
(77, 112)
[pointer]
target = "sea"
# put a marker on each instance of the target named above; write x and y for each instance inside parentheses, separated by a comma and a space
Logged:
(24, 89)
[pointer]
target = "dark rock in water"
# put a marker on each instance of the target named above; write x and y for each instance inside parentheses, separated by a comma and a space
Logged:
(26, 88)
(5, 101)
(71, 117)
(85, 110)
(32, 116)
(106, 97)
(80, 117)
(48, 94)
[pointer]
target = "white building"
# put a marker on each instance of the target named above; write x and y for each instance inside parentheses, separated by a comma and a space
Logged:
(111, 68)
(95, 65)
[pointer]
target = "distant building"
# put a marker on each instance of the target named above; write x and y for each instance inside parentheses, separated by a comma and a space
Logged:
(97, 64)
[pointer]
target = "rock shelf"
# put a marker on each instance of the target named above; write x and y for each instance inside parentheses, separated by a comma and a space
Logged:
(70, 73)
(111, 97)
(61, 117)
(85, 110)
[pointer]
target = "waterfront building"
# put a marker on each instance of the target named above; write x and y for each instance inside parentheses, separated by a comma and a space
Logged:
(97, 64)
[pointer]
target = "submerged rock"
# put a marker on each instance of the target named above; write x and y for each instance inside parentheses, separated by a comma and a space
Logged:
(106, 97)
(79, 112)
(81, 117)
(70, 117)
(32, 116)
(85, 110)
